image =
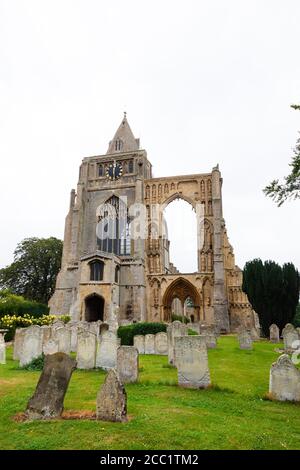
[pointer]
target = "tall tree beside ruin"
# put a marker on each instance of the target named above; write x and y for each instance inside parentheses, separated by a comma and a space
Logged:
(273, 291)
(34, 269)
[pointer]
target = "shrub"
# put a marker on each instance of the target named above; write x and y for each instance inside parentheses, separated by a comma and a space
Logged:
(181, 318)
(12, 322)
(11, 304)
(35, 364)
(126, 333)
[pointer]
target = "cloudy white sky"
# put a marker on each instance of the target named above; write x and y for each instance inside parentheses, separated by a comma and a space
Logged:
(203, 82)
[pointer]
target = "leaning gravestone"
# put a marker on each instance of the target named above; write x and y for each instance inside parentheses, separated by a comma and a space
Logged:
(290, 338)
(112, 399)
(51, 347)
(284, 380)
(139, 343)
(128, 364)
(274, 333)
(174, 330)
(2, 350)
(161, 344)
(48, 398)
(32, 345)
(18, 342)
(149, 344)
(192, 362)
(86, 350)
(245, 340)
(107, 350)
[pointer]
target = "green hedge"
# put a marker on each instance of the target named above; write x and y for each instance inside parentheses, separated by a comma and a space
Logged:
(181, 318)
(126, 333)
(11, 304)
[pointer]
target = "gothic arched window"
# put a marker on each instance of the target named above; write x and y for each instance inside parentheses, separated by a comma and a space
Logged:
(113, 231)
(101, 170)
(96, 270)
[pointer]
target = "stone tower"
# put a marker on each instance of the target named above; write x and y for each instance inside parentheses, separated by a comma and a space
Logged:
(112, 270)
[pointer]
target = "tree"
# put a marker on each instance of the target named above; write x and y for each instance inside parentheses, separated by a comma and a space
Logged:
(290, 189)
(273, 291)
(34, 269)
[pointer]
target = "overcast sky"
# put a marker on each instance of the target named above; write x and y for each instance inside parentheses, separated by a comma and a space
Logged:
(203, 82)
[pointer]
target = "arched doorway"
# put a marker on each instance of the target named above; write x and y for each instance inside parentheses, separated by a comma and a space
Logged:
(181, 289)
(94, 308)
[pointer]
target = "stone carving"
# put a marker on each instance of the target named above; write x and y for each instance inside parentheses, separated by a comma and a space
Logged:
(139, 343)
(127, 364)
(112, 399)
(161, 344)
(86, 350)
(192, 362)
(274, 333)
(32, 345)
(245, 340)
(149, 344)
(284, 380)
(107, 350)
(48, 398)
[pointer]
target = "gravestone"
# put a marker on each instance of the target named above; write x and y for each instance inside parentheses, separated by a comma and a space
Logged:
(245, 340)
(149, 344)
(191, 361)
(274, 333)
(139, 343)
(32, 346)
(48, 399)
(211, 341)
(107, 350)
(18, 342)
(174, 330)
(73, 328)
(86, 350)
(57, 324)
(46, 333)
(51, 347)
(63, 338)
(127, 364)
(284, 380)
(161, 344)
(254, 334)
(2, 350)
(112, 399)
(290, 337)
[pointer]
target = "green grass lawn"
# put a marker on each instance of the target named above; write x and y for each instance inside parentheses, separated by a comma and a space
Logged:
(230, 415)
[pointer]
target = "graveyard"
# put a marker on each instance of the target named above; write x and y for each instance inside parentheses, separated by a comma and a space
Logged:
(233, 412)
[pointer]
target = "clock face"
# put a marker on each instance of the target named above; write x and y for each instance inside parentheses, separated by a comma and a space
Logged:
(114, 171)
